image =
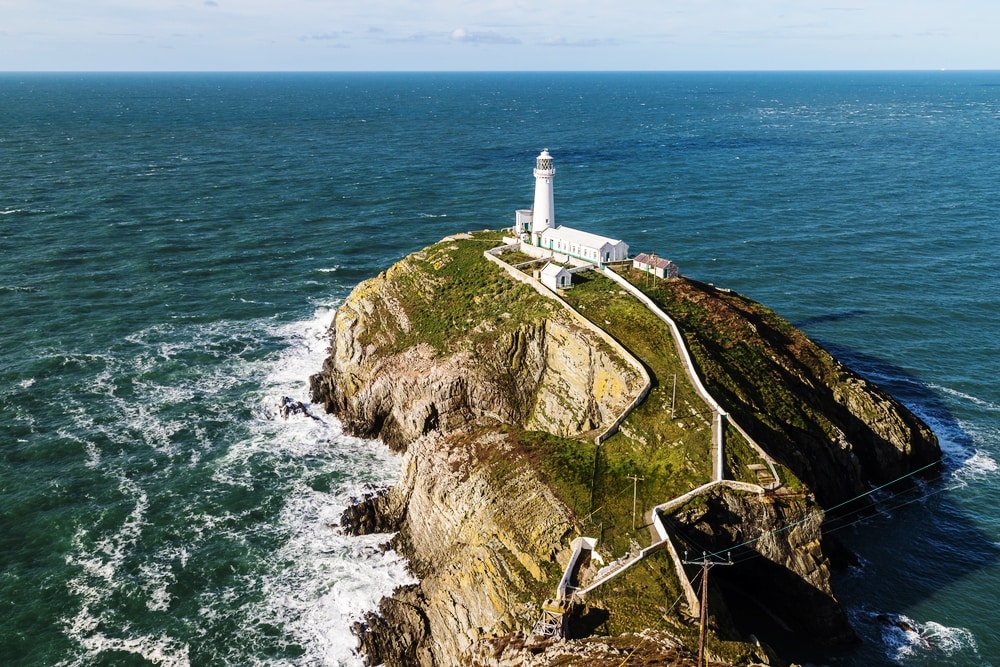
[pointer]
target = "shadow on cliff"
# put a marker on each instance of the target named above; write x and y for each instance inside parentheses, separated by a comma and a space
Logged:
(920, 541)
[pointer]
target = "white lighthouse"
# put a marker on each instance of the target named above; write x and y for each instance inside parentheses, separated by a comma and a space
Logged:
(536, 230)
(543, 212)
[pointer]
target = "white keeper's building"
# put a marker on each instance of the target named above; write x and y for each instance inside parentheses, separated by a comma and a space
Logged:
(537, 226)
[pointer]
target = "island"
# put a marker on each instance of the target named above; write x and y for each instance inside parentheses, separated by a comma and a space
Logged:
(585, 436)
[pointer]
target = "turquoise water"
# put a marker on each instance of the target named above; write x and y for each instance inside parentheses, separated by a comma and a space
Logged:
(173, 245)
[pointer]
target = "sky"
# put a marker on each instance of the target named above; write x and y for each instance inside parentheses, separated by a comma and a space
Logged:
(490, 35)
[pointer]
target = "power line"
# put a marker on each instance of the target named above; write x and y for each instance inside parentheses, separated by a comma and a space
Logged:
(822, 512)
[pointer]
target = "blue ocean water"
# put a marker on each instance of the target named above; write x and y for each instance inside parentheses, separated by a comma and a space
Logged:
(172, 247)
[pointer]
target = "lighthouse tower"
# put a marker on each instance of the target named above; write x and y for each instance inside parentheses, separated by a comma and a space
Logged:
(544, 210)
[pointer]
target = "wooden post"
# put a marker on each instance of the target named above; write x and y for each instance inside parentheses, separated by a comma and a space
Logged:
(704, 614)
(635, 484)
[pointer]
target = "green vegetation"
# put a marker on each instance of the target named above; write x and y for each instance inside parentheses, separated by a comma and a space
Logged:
(669, 449)
(565, 464)
(450, 294)
(454, 299)
(740, 456)
(647, 595)
(731, 339)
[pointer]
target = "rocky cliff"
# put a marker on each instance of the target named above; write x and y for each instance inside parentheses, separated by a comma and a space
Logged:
(464, 370)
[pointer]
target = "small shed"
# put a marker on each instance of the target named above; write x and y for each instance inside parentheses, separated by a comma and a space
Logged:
(661, 268)
(555, 276)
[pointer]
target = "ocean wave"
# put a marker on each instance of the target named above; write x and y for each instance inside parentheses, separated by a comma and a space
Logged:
(909, 642)
(321, 581)
(99, 560)
(327, 580)
(978, 467)
(968, 398)
(14, 289)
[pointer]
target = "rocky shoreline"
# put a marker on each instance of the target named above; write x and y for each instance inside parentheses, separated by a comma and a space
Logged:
(476, 512)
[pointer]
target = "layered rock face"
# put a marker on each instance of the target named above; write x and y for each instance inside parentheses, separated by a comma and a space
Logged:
(478, 535)
(782, 571)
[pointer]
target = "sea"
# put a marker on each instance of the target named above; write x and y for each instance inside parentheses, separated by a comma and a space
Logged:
(173, 247)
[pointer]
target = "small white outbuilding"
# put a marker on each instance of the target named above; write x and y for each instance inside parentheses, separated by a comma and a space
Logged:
(555, 277)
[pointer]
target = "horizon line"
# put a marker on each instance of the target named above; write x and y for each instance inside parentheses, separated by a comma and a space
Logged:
(498, 71)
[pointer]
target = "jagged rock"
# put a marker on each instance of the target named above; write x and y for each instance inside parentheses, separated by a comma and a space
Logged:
(378, 511)
(288, 406)
(646, 648)
(397, 635)
(792, 573)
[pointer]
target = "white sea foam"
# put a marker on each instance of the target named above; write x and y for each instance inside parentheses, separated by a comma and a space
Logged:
(99, 560)
(910, 642)
(322, 581)
(328, 579)
(158, 650)
(978, 467)
(968, 398)
(173, 410)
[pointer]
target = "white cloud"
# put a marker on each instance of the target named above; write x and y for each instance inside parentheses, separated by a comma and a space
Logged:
(583, 43)
(485, 37)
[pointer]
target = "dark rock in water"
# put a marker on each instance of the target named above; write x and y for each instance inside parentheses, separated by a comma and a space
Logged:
(375, 512)
(397, 635)
(289, 406)
(893, 622)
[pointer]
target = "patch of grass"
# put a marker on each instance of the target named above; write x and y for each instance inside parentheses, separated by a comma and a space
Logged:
(766, 373)
(739, 456)
(565, 464)
(449, 294)
(648, 595)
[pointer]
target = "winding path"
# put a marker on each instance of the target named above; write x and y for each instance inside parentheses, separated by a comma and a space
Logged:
(661, 538)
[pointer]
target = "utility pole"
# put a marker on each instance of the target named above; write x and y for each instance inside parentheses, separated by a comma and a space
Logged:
(706, 564)
(635, 484)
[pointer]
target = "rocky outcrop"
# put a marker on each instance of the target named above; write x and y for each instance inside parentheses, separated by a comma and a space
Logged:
(483, 533)
(780, 567)
(478, 533)
(548, 374)
(446, 362)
